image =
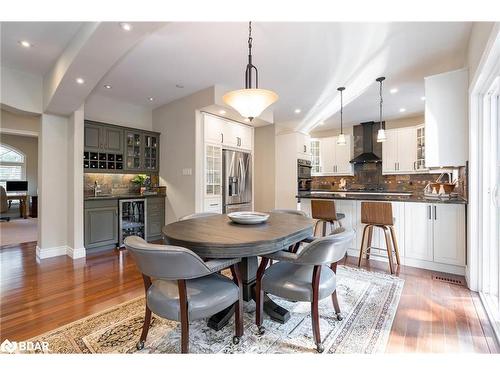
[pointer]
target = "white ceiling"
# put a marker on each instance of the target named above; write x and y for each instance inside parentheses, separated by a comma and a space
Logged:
(48, 39)
(303, 62)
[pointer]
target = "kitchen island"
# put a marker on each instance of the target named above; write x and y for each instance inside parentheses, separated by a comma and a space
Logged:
(431, 233)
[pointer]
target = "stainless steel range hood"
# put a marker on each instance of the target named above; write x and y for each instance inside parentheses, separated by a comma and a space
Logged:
(366, 148)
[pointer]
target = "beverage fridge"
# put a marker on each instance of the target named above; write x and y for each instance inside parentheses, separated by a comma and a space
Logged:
(132, 219)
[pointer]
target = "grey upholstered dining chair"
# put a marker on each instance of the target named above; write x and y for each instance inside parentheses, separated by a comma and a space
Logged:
(180, 286)
(196, 215)
(308, 276)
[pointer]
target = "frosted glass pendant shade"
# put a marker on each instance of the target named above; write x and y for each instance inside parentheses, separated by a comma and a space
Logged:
(250, 103)
(381, 135)
(341, 140)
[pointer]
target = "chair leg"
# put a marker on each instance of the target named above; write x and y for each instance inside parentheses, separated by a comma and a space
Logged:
(362, 245)
(259, 296)
(315, 308)
(147, 316)
(336, 305)
(389, 248)
(238, 307)
(369, 242)
(184, 316)
(395, 243)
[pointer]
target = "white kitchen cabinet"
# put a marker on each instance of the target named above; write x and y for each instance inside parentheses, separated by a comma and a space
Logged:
(449, 234)
(446, 119)
(213, 204)
(213, 129)
(227, 133)
(303, 146)
(335, 159)
(418, 231)
(326, 156)
(349, 209)
(435, 232)
(399, 151)
(390, 152)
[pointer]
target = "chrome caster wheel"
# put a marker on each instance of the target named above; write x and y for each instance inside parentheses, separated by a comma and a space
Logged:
(236, 340)
(339, 317)
(140, 345)
(262, 330)
(320, 348)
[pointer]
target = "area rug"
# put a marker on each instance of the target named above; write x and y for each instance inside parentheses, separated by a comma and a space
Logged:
(368, 301)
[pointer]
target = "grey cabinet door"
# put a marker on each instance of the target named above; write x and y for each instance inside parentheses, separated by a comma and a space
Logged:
(113, 139)
(155, 217)
(92, 137)
(101, 226)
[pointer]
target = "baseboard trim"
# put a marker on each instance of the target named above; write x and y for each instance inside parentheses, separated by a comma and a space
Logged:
(417, 263)
(57, 251)
(50, 252)
(76, 253)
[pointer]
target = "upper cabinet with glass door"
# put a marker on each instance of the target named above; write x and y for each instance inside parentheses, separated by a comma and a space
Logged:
(133, 146)
(151, 148)
(331, 159)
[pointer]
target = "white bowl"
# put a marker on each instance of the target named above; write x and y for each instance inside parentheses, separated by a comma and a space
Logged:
(248, 217)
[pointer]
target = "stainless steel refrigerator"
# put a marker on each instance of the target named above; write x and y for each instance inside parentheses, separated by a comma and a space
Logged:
(237, 181)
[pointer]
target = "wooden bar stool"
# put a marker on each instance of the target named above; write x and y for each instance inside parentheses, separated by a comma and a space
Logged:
(324, 211)
(378, 214)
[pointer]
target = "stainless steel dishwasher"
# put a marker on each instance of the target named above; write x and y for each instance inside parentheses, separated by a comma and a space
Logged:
(132, 219)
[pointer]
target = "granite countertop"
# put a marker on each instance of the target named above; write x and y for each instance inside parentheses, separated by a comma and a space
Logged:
(412, 197)
(122, 196)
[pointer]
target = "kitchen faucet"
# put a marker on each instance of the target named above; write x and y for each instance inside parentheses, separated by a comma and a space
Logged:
(97, 188)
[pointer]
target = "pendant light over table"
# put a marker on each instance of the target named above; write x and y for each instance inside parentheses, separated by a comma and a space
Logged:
(381, 137)
(250, 102)
(341, 138)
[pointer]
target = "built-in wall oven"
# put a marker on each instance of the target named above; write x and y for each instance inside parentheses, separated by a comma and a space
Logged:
(304, 175)
(132, 219)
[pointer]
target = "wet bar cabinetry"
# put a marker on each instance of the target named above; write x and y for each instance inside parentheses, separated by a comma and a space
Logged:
(109, 148)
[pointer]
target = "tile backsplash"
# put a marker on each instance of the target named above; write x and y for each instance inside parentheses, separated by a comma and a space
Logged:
(369, 176)
(113, 183)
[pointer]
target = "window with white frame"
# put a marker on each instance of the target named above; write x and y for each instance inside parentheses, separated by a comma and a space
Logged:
(12, 164)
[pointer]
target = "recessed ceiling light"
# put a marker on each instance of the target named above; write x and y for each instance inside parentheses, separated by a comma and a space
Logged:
(422, 98)
(393, 90)
(402, 109)
(321, 123)
(80, 81)
(222, 112)
(151, 98)
(179, 86)
(125, 26)
(108, 87)
(297, 110)
(247, 120)
(25, 43)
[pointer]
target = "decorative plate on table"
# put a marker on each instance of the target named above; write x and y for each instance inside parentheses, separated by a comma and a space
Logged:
(248, 217)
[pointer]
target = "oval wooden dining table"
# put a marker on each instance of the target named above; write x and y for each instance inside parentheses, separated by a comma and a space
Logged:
(218, 237)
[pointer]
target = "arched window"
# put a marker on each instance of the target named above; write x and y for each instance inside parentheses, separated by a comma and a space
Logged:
(12, 164)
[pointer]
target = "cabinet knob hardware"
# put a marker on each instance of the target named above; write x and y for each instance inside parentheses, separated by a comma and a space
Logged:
(429, 211)
(435, 213)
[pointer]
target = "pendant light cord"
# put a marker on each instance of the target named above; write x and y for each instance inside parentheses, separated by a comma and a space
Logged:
(341, 112)
(250, 66)
(381, 103)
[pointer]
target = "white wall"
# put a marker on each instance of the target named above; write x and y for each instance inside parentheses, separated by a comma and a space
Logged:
(75, 244)
(104, 109)
(177, 123)
(479, 36)
(264, 168)
(18, 123)
(53, 186)
(20, 90)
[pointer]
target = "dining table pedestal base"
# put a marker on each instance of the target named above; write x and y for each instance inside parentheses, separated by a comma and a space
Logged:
(248, 269)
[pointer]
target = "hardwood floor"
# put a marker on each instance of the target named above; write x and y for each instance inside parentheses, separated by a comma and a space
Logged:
(38, 296)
